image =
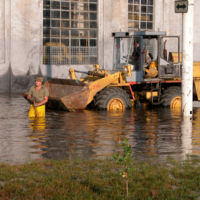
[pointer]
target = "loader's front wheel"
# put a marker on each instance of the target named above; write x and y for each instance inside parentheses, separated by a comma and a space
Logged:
(112, 98)
(172, 97)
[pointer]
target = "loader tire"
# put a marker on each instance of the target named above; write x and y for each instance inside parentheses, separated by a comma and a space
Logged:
(112, 98)
(171, 97)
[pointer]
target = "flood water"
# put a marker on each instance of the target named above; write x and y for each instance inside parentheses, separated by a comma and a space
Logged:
(89, 134)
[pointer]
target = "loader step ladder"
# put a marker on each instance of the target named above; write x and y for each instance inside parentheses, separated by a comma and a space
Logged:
(155, 87)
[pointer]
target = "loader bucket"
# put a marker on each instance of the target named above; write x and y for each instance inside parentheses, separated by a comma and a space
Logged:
(66, 94)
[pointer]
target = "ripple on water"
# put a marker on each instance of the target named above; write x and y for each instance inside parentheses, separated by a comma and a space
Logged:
(89, 134)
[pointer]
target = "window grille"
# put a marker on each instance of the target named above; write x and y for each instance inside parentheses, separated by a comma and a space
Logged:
(70, 32)
(2, 31)
(140, 14)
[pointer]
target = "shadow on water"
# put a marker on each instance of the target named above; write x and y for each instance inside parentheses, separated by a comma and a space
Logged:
(89, 134)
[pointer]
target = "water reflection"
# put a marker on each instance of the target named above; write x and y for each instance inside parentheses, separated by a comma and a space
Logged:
(186, 137)
(159, 132)
(196, 133)
(38, 133)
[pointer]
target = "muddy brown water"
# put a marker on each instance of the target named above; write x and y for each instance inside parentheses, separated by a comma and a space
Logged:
(89, 134)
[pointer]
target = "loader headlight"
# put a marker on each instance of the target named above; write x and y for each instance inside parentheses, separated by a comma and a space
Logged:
(127, 70)
(96, 67)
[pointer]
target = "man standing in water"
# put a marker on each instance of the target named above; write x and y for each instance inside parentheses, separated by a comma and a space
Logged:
(38, 94)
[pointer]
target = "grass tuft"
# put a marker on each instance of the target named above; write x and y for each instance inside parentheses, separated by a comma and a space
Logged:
(100, 179)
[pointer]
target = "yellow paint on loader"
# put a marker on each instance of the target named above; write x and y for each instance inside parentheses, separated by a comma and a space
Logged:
(149, 94)
(176, 102)
(115, 104)
(197, 87)
(100, 84)
(99, 79)
(196, 78)
(173, 57)
(196, 70)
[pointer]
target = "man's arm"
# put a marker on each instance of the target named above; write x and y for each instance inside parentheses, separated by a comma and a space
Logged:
(42, 102)
(30, 98)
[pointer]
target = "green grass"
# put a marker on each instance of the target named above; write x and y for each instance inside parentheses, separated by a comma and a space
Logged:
(101, 179)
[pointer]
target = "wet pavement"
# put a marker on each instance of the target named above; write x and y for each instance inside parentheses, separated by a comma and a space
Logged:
(92, 134)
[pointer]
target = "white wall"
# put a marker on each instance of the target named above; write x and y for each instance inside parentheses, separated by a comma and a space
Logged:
(26, 41)
(21, 35)
(167, 20)
(2, 31)
(4, 45)
(196, 51)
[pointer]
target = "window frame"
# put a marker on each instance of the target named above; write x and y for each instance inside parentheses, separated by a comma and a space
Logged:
(82, 48)
(140, 19)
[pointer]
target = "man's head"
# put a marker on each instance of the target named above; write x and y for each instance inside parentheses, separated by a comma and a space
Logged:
(136, 44)
(38, 81)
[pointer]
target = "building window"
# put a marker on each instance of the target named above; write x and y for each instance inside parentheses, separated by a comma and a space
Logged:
(70, 32)
(140, 14)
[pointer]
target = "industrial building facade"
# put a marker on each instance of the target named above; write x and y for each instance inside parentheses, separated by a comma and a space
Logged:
(47, 37)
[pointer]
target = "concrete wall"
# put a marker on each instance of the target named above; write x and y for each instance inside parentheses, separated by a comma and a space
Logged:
(115, 20)
(4, 45)
(21, 35)
(2, 31)
(167, 20)
(26, 41)
(20, 55)
(196, 51)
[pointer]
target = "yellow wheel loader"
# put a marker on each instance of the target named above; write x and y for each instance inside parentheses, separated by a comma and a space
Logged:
(146, 67)
(100, 88)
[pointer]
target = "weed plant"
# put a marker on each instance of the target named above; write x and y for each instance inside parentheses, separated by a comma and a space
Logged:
(102, 179)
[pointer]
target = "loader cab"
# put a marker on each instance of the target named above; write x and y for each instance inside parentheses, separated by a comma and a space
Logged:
(169, 62)
(128, 50)
(152, 55)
